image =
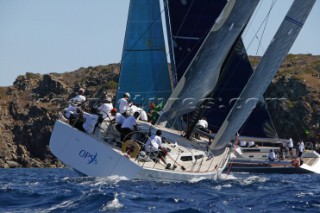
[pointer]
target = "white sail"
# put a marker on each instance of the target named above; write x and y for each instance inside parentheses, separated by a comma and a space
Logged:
(262, 77)
(202, 74)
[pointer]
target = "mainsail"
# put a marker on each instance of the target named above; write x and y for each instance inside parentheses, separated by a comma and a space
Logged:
(267, 68)
(202, 74)
(188, 24)
(144, 67)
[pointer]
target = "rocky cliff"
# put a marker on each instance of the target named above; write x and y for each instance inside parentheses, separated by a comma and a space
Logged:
(29, 108)
(295, 95)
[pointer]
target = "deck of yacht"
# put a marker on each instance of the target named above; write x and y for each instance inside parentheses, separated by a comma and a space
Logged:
(183, 157)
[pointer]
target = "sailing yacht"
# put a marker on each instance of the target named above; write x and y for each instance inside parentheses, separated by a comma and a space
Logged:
(255, 159)
(145, 75)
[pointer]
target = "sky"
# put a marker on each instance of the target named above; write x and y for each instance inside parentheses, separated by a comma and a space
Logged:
(44, 36)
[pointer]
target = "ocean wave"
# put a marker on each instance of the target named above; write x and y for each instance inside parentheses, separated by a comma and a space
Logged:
(61, 190)
(113, 204)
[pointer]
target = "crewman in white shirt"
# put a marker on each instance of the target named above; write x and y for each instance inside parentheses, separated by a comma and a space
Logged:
(119, 119)
(290, 146)
(106, 107)
(74, 104)
(124, 104)
(154, 145)
(129, 125)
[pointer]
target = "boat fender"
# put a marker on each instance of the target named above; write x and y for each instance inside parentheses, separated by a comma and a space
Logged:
(131, 147)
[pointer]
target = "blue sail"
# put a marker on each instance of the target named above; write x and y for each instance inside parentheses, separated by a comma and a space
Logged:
(190, 22)
(144, 68)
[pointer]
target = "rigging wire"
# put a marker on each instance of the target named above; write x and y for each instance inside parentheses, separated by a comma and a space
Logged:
(264, 22)
(265, 25)
(185, 17)
(253, 18)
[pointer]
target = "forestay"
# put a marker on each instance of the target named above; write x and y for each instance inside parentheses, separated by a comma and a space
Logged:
(261, 78)
(202, 74)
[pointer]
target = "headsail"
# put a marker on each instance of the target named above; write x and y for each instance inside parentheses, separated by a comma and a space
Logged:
(203, 72)
(188, 24)
(261, 78)
(235, 73)
(144, 67)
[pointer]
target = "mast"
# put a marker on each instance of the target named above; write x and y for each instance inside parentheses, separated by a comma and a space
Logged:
(267, 68)
(170, 44)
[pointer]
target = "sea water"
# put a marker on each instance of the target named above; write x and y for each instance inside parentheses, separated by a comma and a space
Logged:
(63, 190)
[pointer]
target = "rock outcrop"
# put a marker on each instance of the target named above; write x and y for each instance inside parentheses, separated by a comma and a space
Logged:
(29, 108)
(296, 113)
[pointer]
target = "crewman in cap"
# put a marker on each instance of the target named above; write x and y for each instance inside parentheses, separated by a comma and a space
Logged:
(124, 104)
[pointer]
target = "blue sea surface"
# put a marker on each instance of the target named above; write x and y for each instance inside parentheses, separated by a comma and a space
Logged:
(63, 190)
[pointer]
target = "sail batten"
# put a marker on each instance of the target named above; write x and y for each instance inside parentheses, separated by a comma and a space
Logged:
(267, 68)
(202, 74)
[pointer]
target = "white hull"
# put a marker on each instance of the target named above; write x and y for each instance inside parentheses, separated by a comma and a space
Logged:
(311, 161)
(91, 156)
(255, 160)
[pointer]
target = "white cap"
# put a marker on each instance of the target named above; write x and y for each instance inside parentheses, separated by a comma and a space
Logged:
(127, 94)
